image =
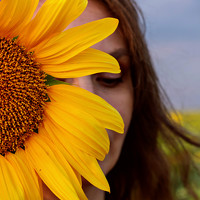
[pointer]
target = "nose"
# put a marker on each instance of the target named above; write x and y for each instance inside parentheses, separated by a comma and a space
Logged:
(84, 82)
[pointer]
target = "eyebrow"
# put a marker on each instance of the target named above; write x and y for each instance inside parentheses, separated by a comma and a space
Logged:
(119, 53)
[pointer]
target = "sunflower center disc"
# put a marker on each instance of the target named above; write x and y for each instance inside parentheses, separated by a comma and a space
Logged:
(22, 95)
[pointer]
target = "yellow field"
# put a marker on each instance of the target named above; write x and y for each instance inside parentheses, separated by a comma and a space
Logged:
(191, 121)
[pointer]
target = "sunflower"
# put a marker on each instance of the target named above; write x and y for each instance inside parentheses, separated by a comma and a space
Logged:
(50, 130)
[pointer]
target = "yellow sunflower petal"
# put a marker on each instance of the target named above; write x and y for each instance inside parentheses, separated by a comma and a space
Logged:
(66, 45)
(88, 102)
(10, 185)
(47, 129)
(83, 144)
(53, 17)
(14, 15)
(53, 168)
(78, 176)
(89, 61)
(85, 164)
(27, 176)
(88, 167)
(80, 124)
(40, 186)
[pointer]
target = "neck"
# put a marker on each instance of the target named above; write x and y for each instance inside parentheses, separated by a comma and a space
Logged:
(93, 193)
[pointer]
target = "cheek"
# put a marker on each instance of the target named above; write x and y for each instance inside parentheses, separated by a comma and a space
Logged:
(123, 101)
(116, 142)
(124, 104)
(125, 108)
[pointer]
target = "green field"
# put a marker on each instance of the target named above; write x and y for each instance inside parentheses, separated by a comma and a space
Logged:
(191, 121)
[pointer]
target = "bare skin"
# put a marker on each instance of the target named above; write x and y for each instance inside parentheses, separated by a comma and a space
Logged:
(116, 89)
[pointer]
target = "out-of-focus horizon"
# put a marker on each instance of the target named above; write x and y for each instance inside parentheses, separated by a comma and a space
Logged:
(173, 37)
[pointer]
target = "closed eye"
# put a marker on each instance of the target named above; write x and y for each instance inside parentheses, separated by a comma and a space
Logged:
(108, 79)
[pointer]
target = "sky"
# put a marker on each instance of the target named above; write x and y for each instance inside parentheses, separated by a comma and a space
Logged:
(173, 37)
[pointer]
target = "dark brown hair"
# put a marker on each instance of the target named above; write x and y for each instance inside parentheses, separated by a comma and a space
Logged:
(143, 171)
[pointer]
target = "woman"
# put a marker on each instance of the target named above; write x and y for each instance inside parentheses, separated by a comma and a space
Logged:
(136, 166)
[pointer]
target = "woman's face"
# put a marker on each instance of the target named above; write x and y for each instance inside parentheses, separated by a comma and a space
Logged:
(116, 89)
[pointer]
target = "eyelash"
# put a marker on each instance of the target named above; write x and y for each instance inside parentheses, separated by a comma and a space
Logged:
(109, 82)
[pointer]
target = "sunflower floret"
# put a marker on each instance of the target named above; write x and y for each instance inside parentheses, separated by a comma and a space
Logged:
(51, 131)
(22, 97)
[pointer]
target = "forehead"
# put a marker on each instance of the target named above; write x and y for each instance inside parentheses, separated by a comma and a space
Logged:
(97, 10)
(94, 11)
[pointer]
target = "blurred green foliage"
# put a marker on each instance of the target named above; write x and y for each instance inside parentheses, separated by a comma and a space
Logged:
(191, 121)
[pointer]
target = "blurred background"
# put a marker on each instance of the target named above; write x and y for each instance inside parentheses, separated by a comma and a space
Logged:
(173, 36)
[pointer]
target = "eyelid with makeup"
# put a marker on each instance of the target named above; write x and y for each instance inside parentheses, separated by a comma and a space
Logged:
(108, 79)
